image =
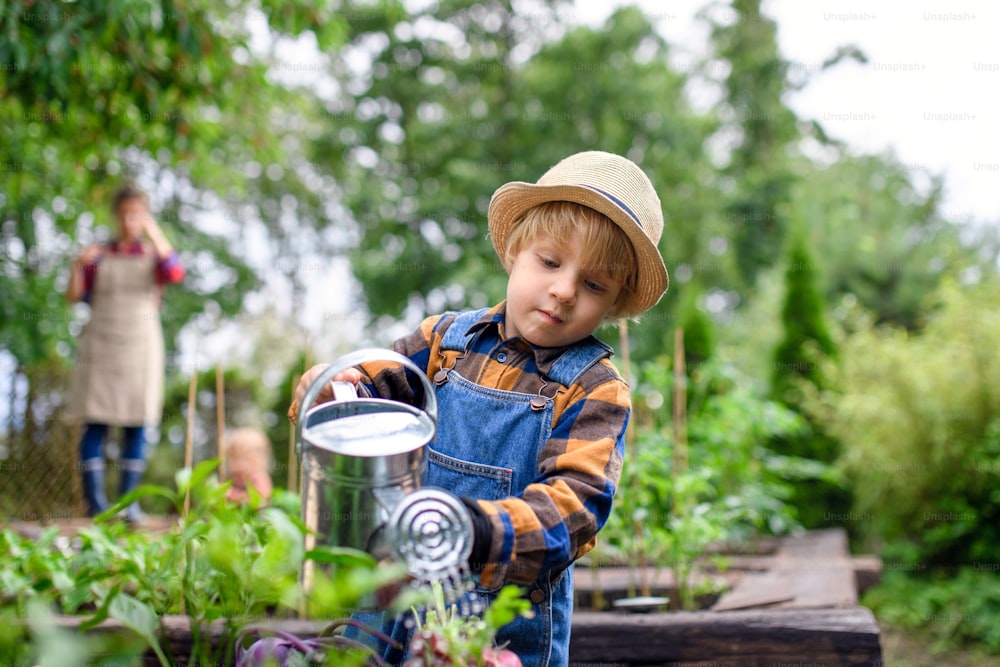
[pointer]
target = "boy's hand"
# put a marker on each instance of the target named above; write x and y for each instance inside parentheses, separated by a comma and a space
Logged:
(351, 375)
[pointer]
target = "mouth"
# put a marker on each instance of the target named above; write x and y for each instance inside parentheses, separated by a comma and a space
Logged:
(551, 317)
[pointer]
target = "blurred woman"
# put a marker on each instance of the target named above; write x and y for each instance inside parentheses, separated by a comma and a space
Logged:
(119, 373)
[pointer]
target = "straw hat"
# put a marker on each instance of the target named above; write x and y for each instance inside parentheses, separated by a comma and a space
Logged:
(607, 183)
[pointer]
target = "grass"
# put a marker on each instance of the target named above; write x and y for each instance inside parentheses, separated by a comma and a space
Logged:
(905, 648)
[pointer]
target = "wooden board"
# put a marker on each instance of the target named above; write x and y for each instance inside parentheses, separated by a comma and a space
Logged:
(816, 637)
(813, 638)
(151, 523)
(808, 571)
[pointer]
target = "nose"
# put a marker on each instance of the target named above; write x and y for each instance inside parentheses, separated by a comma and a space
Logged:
(563, 289)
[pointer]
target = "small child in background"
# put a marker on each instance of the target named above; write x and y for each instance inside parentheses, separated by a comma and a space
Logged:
(248, 463)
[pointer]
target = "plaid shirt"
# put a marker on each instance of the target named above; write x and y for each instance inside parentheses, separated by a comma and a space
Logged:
(557, 517)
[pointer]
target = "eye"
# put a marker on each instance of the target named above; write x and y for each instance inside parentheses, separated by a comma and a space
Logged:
(595, 287)
(548, 262)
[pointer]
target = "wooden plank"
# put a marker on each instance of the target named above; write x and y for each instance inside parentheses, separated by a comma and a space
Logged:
(605, 585)
(817, 637)
(811, 570)
(827, 637)
(32, 530)
(867, 571)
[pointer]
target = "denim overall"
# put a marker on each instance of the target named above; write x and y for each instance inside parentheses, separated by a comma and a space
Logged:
(459, 463)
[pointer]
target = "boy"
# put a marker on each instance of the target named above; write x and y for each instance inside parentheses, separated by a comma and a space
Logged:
(532, 414)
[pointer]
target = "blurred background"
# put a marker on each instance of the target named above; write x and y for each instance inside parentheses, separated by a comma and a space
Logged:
(828, 173)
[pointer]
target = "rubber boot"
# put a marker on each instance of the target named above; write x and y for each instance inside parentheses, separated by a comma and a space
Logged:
(93, 486)
(132, 472)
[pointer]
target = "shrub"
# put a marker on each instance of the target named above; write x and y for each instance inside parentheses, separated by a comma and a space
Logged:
(919, 419)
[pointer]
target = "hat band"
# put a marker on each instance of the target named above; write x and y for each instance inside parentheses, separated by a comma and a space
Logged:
(617, 201)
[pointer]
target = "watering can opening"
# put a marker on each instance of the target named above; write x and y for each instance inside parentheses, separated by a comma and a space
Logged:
(368, 427)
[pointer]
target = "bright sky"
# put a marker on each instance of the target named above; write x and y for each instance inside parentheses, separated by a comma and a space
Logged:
(929, 91)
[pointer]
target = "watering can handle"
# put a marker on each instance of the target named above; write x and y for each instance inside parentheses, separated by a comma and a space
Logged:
(344, 391)
(354, 359)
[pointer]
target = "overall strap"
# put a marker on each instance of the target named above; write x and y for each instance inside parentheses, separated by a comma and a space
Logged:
(575, 361)
(457, 336)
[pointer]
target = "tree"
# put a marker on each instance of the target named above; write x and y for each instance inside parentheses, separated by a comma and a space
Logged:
(94, 92)
(884, 239)
(435, 126)
(759, 131)
(917, 415)
(172, 94)
(807, 342)
(805, 348)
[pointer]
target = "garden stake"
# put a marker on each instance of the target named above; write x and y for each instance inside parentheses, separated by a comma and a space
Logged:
(189, 439)
(220, 418)
(633, 452)
(293, 462)
(680, 447)
(680, 405)
(293, 457)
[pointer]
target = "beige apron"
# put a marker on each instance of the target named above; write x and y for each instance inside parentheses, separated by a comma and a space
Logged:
(118, 378)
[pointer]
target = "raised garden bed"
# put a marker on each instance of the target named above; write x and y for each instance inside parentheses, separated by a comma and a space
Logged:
(793, 607)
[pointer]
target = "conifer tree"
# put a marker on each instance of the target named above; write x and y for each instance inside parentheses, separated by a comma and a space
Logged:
(798, 358)
(807, 340)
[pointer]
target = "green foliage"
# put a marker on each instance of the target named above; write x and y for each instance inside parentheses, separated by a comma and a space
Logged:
(173, 95)
(699, 329)
(734, 488)
(221, 562)
(917, 416)
(764, 128)
(883, 239)
(443, 124)
(954, 609)
(447, 637)
(807, 340)
(798, 360)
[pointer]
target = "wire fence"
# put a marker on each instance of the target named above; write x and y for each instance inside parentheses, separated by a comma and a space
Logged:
(40, 475)
(39, 462)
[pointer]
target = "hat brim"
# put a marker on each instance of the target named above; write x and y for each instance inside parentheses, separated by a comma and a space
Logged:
(513, 200)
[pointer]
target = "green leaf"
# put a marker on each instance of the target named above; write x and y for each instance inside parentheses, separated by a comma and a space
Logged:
(135, 494)
(139, 617)
(341, 556)
(183, 480)
(202, 472)
(508, 605)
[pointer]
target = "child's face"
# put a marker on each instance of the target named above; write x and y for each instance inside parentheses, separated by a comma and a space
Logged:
(552, 300)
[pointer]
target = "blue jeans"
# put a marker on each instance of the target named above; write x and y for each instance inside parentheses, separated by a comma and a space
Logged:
(92, 443)
(133, 463)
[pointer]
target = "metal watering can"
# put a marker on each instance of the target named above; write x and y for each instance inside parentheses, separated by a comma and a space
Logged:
(362, 463)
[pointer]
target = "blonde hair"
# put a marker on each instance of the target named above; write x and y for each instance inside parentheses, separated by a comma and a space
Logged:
(247, 450)
(606, 248)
